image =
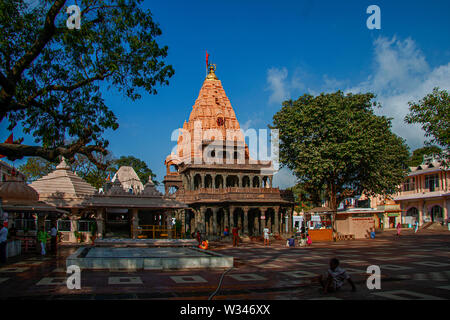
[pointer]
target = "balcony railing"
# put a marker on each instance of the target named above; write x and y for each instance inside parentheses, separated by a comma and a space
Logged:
(234, 193)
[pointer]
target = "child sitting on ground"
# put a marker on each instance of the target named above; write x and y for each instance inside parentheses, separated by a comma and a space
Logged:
(335, 278)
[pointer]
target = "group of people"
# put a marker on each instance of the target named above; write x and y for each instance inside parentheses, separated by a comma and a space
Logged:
(42, 239)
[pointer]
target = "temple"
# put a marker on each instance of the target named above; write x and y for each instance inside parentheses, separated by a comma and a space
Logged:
(213, 173)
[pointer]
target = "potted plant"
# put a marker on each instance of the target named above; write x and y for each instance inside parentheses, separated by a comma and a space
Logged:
(78, 236)
(93, 229)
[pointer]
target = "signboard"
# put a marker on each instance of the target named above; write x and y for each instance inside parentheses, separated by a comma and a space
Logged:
(392, 214)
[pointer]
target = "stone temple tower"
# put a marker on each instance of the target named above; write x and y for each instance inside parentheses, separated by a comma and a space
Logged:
(213, 173)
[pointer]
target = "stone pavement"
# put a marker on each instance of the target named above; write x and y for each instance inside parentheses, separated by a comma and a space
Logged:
(414, 266)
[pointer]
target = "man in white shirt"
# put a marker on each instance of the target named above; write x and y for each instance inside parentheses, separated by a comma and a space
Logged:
(3, 239)
(335, 278)
(266, 232)
(54, 237)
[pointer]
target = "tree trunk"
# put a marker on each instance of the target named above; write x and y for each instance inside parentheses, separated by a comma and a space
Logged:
(333, 206)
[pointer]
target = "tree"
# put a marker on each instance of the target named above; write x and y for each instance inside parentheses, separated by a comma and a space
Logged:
(93, 174)
(306, 196)
(141, 168)
(417, 155)
(50, 75)
(36, 168)
(433, 113)
(336, 140)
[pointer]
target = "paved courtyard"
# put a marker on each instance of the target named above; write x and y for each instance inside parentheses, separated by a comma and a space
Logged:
(415, 266)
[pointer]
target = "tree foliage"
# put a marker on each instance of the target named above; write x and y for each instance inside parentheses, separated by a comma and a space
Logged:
(336, 140)
(36, 168)
(50, 75)
(417, 155)
(433, 114)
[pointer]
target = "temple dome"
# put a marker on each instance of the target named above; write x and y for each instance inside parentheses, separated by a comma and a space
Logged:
(129, 179)
(17, 191)
(63, 181)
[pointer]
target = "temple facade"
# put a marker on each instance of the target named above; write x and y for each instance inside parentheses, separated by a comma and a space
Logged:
(124, 208)
(213, 173)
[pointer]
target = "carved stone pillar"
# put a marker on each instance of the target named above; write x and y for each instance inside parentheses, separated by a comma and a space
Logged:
(277, 227)
(256, 224)
(291, 214)
(263, 219)
(226, 222)
(100, 218)
(245, 220)
(239, 222)
(214, 222)
(231, 217)
(202, 225)
(134, 223)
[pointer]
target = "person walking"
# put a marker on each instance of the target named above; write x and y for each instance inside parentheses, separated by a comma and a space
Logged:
(54, 238)
(3, 242)
(235, 232)
(416, 226)
(266, 233)
(42, 238)
(399, 229)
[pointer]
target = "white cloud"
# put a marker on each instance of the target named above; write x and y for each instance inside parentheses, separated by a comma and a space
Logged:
(284, 179)
(400, 73)
(280, 85)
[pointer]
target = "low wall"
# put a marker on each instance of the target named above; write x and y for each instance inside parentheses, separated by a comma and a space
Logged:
(13, 248)
(360, 227)
(321, 235)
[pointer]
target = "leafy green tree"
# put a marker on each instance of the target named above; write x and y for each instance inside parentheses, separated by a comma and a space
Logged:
(50, 75)
(336, 140)
(433, 114)
(418, 154)
(36, 168)
(141, 168)
(306, 196)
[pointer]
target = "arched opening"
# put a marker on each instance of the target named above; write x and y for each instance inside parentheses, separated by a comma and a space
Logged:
(219, 182)
(208, 181)
(246, 182)
(437, 214)
(256, 182)
(173, 168)
(197, 181)
(265, 181)
(232, 181)
(411, 216)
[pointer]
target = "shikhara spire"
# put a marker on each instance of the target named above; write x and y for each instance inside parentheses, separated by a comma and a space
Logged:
(213, 111)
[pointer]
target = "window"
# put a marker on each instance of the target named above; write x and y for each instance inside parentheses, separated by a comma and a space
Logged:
(64, 225)
(84, 225)
(432, 182)
(25, 224)
(409, 184)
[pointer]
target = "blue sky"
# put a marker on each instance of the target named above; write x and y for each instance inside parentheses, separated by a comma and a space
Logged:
(268, 51)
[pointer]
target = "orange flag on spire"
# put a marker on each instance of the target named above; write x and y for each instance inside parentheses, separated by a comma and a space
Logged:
(10, 141)
(207, 58)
